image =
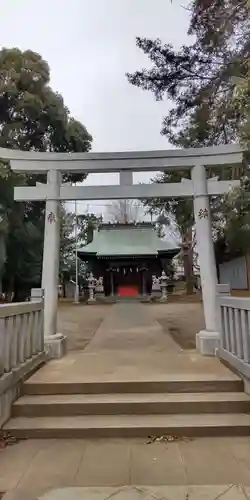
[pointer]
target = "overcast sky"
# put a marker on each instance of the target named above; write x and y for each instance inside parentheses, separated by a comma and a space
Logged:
(90, 45)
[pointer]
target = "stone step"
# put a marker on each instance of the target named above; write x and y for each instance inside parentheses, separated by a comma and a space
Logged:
(117, 426)
(183, 384)
(115, 404)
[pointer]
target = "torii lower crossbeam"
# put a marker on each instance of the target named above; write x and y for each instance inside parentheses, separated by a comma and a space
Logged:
(139, 191)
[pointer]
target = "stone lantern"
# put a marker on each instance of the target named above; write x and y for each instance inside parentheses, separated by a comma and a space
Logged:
(164, 283)
(91, 285)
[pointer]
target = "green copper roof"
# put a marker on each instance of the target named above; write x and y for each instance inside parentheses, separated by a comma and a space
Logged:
(128, 240)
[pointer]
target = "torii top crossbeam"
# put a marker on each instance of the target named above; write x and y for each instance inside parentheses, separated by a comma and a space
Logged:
(35, 162)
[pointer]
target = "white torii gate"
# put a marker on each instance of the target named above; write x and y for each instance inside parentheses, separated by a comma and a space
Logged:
(194, 159)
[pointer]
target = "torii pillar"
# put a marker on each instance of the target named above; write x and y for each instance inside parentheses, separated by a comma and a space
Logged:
(55, 342)
(208, 340)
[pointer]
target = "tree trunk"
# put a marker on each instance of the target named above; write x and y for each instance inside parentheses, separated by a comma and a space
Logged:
(10, 291)
(2, 259)
(188, 261)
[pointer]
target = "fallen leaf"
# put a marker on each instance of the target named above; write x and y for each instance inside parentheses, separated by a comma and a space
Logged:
(166, 439)
(6, 439)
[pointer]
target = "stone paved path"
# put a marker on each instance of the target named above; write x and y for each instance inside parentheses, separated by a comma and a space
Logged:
(130, 344)
(34, 467)
(130, 326)
(224, 492)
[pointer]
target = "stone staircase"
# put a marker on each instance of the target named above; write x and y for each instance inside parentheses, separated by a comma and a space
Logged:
(179, 407)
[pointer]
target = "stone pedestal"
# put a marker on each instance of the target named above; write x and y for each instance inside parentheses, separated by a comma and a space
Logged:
(145, 299)
(56, 345)
(156, 287)
(100, 296)
(99, 289)
(207, 342)
(163, 300)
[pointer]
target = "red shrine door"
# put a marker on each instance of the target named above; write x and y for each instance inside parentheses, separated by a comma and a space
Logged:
(128, 282)
(127, 291)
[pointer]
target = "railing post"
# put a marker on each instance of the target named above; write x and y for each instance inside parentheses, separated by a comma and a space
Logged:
(221, 290)
(37, 294)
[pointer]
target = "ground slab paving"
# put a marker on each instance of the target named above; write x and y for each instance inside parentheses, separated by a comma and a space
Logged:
(205, 492)
(129, 344)
(226, 492)
(32, 468)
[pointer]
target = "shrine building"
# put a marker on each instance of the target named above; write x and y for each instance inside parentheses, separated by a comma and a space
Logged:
(127, 256)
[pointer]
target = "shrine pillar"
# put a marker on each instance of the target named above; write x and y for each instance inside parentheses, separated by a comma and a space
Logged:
(206, 340)
(112, 288)
(143, 283)
(50, 272)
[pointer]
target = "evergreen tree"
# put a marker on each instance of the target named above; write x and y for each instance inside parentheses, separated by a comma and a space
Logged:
(201, 80)
(32, 117)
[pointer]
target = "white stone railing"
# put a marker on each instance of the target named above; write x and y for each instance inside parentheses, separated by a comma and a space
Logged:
(21, 348)
(234, 325)
(21, 333)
